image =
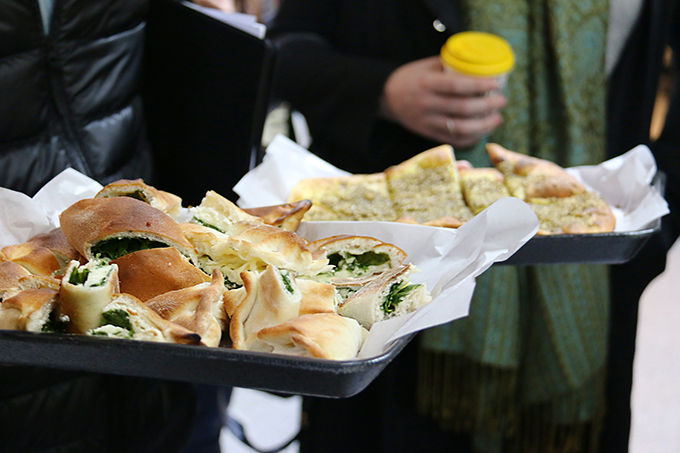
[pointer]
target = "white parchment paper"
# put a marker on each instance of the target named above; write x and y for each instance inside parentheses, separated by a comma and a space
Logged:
(449, 259)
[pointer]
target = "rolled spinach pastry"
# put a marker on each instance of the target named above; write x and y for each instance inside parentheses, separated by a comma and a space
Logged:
(129, 318)
(358, 256)
(389, 295)
(85, 291)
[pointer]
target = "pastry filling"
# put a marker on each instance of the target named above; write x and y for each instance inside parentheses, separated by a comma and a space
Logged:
(115, 323)
(356, 264)
(55, 323)
(111, 249)
(396, 294)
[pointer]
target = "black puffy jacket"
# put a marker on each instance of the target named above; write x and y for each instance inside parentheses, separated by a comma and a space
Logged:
(70, 99)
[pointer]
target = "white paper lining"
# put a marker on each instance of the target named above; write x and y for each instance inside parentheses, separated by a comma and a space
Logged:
(449, 259)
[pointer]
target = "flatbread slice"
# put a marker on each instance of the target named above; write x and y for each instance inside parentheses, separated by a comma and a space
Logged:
(427, 187)
(346, 198)
(528, 177)
(579, 214)
(482, 187)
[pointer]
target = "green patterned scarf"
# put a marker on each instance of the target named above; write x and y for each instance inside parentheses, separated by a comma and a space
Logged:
(524, 372)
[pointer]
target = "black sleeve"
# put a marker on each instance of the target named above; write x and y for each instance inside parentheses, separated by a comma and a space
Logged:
(667, 147)
(337, 92)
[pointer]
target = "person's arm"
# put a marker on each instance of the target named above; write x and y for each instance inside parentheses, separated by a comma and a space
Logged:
(342, 95)
(338, 93)
(667, 147)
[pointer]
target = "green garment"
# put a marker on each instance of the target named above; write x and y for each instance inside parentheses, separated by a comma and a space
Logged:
(524, 371)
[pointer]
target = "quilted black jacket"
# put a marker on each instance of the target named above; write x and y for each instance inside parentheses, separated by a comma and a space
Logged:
(70, 99)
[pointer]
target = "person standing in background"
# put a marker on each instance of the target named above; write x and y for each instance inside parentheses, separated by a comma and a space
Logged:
(525, 371)
(69, 79)
(642, 34)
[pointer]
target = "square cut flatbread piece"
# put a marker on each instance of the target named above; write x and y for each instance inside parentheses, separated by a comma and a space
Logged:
(579, 214)
(427, 187)
(482, 187)
(355, 197)
(528, 177)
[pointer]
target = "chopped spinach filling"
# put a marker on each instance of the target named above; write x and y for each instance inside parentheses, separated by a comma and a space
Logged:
(79, 276)
(118, 318)
(137, 195)
(54, 324)
(111, 249)
(397, 293)
(362, 261)
(206, 224)
(230, 284)
(285, 276)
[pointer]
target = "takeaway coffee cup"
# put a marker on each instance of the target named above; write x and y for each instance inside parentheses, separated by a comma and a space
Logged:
(478, 54)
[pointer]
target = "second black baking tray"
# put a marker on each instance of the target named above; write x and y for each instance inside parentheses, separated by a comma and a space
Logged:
(197, 364)
(597, 248)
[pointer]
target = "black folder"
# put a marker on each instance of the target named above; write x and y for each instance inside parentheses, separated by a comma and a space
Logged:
(206, 94)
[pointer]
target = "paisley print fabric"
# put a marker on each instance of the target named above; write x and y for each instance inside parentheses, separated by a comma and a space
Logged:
(524, 372)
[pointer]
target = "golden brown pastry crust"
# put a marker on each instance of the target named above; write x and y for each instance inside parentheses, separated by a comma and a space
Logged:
(269, 302)
(37, 259)
(22, 310)
(317, 297)
(89, 221)
(287, 216)
(320, 335)
(195, 308)
(148, 273)
(10, 275)
(164, 331)
(529, 177)
(165, 201)
(84, 303)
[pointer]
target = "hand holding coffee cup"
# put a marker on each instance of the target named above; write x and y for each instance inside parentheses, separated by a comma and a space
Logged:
(443, 105)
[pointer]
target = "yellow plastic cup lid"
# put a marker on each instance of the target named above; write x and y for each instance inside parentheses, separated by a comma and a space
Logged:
(478, 54)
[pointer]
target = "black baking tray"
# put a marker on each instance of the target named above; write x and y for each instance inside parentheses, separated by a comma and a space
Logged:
(594, 248)
(597, 248)
(196, 364)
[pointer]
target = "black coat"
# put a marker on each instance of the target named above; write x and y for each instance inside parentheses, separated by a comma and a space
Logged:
(339, 94)
(70, 99)
(632, 94)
